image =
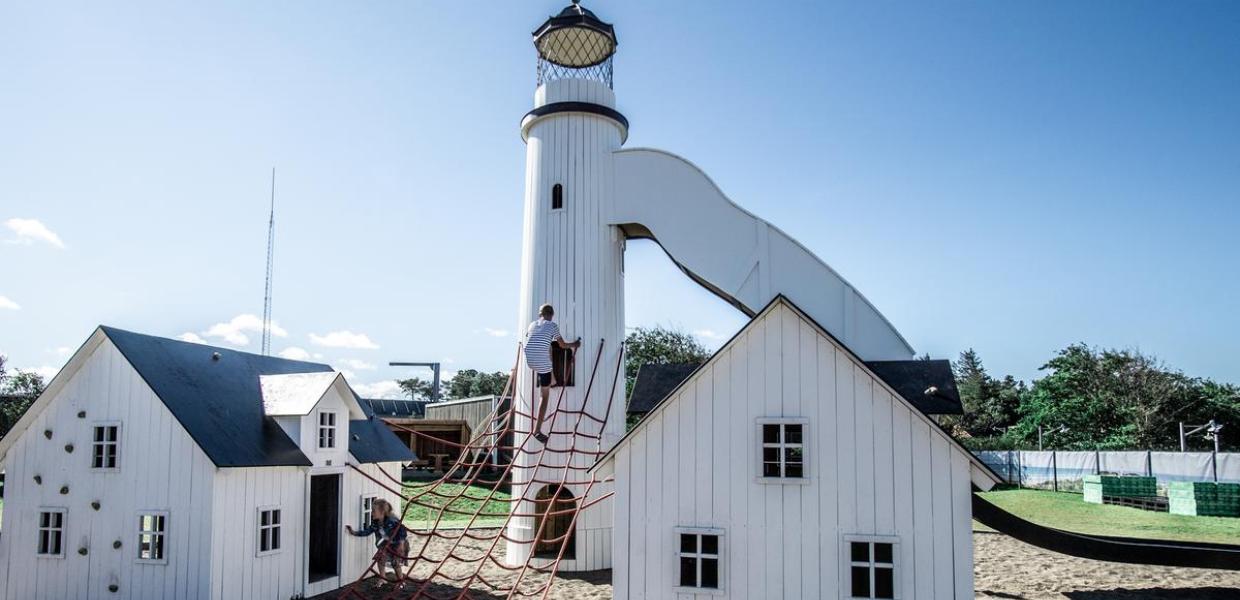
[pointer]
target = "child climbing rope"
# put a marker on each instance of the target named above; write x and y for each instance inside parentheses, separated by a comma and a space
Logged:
(390, 537)
(538, 339)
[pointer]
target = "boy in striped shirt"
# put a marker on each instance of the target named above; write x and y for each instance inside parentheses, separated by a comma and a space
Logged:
(538, 339)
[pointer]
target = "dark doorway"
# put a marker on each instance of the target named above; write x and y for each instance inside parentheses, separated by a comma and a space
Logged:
(558, 528)
(324, 527)
(563, 365)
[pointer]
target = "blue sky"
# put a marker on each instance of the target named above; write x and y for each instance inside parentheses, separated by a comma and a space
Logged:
(1012, 178)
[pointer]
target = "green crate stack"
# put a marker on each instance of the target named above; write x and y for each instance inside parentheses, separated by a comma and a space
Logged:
(1204, 498)
(1129, 486)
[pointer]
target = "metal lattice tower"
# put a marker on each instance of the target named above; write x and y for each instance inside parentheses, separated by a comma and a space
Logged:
(271, 245)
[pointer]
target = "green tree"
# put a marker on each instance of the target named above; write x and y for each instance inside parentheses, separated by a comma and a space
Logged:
(418, 389)
(470, 383)
(658, 345)
(990, 405)
(17, 393)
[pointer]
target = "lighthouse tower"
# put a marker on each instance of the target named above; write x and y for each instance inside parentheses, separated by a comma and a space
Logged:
(572, 259)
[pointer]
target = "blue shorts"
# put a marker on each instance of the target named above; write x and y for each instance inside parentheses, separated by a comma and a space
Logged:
(544, 379)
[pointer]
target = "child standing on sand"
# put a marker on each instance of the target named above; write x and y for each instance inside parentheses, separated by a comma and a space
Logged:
(391, 538)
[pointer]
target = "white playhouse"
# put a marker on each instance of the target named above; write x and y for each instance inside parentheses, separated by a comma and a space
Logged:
(153, 468)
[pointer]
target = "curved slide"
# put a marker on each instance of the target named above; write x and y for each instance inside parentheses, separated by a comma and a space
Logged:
(742, 259)
(1125, 550)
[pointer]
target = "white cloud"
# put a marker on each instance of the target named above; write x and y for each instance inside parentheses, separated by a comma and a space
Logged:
(46, 372)
(496, 332)
(29, 231)
(294, 353)
(234, 331)
(709, 334)
(347, 373)
(63, 350)
(344, 339)
(190, 336)
(380, 389)
(5, 303)
(359, 365)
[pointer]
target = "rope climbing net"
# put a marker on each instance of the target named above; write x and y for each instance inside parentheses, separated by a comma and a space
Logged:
(453, 563)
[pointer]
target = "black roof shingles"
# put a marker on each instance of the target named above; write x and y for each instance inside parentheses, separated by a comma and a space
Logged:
(654, 382)
(219, 401)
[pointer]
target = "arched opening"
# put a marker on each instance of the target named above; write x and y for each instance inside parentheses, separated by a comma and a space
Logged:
(557, 197)
(554, 507)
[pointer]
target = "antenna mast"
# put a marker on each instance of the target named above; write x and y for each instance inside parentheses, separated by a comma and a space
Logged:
(271, 241)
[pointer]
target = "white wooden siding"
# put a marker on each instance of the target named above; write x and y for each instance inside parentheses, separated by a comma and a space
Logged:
(876, 466)
(160, 468)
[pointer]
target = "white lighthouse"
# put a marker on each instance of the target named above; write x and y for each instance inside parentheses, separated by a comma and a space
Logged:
(571, 258)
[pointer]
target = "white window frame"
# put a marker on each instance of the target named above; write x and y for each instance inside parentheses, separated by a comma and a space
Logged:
(62, 530)
(260, 529)
(332, 430)
(720, 557)
(153, 533)
(364, 507)
(896, 570)
(114, 444)
(761, 445)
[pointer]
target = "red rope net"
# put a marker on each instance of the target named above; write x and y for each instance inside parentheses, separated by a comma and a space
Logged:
(454, 563)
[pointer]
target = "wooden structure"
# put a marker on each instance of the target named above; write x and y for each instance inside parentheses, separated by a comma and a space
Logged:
(155, 468)
(864, 466)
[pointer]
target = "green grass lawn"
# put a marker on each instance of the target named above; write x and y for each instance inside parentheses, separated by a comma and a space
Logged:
(420, 516)
(1070, 512)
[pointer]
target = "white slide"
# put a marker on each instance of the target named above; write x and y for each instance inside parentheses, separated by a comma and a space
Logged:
(738, 256)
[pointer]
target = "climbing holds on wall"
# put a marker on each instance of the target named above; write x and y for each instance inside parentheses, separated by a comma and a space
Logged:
(64, 489)
(69, 448)
(116, 544)
(95, 505)
(47, 433)
(38, 479)
(81, 414)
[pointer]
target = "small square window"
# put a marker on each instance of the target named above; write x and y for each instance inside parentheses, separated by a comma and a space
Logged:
(268, 530)
(782, 450)
(365, 510)
(327, 430)
(699, 559)
(872, 569)
(152, 532)
(51, 533)
(105, 446)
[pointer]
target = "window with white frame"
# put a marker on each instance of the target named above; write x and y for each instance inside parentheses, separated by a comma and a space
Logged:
(872, 567)
(105, 446)
(699, 559)
(783, 449)
(152, 530)
(52, 532)
(368, 503)
(327, 429)
(268, 530)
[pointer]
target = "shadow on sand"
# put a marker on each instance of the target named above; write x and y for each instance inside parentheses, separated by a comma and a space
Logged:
(1203, 593)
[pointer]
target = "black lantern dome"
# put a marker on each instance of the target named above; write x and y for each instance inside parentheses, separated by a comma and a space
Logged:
(575, 44)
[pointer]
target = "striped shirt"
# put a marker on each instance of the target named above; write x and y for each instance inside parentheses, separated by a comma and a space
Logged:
(538, 339)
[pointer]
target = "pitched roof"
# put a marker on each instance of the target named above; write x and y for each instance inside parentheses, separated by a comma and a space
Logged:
(927, 384)
(388, 407)
(216, 394)
(778, 300)
(654, 382)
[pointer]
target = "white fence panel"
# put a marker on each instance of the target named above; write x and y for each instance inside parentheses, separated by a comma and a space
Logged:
(1182, 466)
(1072, 467)
(1123, 463)
(1229, 467)
(1036, 469)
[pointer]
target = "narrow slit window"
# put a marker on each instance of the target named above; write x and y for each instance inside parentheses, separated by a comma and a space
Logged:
(782, 449)
(327, 430)
(364, 516)
(152, 530)
(268, 531)
(52, 533)
(871, 569)
(557, 197)
(105, 446)
(699, 559)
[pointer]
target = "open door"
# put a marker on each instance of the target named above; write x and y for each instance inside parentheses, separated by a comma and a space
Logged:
(324, 528)
(554, 506)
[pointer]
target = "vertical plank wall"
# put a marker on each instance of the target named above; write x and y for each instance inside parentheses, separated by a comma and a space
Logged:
(876, 466)
(161, 469)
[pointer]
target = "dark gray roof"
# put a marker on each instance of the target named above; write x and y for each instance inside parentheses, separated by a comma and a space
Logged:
(654, 382)
(370, 441)
(912, 379)
(404, 409)
(220, 403)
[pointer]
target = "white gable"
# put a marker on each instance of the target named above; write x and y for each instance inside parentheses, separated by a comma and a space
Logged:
(295, 394)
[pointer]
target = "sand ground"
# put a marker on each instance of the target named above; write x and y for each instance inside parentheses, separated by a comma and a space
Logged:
(1004, 568)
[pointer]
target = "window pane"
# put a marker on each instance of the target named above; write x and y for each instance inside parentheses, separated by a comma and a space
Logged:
(158, 553)
(770, 470)
(792, 433)
(797, 471)
(710, 573)
(57, 519)
(98, 434)
(275, 538)
(45, 519)
(861, 582)
(264, 517)
(688, 572)
(884, 583)
(882, 553)
(710, 544)
(43, 542)
(688, 542)
(159, 523)
(770, 433)
(111, 434)
(860, 552)
(794, 455)
(275, 517)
